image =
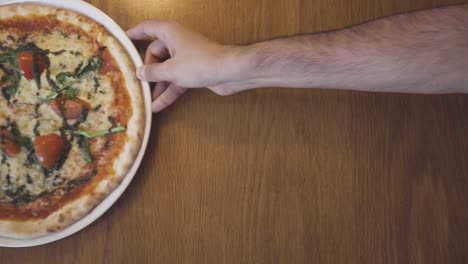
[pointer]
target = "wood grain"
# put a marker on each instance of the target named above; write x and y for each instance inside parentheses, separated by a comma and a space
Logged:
(285, 176)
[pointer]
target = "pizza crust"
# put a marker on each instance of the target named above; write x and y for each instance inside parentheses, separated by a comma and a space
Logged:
(83, 205)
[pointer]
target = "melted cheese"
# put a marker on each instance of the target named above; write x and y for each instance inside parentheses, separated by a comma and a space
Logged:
(14, 172)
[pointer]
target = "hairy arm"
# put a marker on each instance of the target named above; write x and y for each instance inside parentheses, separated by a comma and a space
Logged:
(421, 52)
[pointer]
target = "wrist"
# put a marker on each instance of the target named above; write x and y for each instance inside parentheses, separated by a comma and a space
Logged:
(237, 70)
(259, 65)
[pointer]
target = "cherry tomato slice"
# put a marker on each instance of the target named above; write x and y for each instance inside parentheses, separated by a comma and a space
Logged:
(70, 108)
(26, 61)
(48, 149)
(6, 134)
(9, 146)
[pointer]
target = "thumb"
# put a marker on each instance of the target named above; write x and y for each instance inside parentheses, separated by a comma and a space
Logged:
(156, 72)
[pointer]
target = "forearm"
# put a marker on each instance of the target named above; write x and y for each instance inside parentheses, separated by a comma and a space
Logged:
(423, 52)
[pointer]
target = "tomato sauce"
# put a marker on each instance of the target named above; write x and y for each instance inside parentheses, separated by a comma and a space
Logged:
(49, 203)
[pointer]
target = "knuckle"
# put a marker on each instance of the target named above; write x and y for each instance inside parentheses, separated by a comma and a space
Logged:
(154, 46)
(147, 72)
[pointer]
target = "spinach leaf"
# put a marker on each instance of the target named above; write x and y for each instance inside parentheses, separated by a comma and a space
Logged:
(85, 150)
(94, 64)
(24, 142)
(9, 91)
(13, 77)
(63, 78)
(70, 92)
(19, 138)
(66, 79)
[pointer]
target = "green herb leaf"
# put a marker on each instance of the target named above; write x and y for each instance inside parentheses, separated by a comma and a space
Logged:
(99, 133)
(12, 80)
(30, 46)
(24, 142)
(19, 138)
(49, 97)
(14, 75)
(66, 79)
(70, 93)
(9, 91)
(85, 150)
(94, 64)
(6, 58)
(62, 78)
(78, 69)
(83, 115)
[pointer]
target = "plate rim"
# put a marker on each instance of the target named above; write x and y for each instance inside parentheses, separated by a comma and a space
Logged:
(102, 18)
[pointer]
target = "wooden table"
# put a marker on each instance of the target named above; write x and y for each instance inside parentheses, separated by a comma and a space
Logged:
(285, 176)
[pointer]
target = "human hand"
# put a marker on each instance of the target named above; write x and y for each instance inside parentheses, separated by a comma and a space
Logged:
(179, 59)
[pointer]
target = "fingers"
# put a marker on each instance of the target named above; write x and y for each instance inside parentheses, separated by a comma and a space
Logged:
(167, 97)
(149, 28)
(159, 89)
(150, 58)
(156, 72)
(158, 50)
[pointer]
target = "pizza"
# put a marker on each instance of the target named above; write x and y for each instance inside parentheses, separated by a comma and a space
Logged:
(71, 118)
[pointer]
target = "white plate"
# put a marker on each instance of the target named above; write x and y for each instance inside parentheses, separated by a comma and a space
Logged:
(100, 17)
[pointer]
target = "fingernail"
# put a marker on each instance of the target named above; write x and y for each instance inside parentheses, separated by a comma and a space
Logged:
(140, 72)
